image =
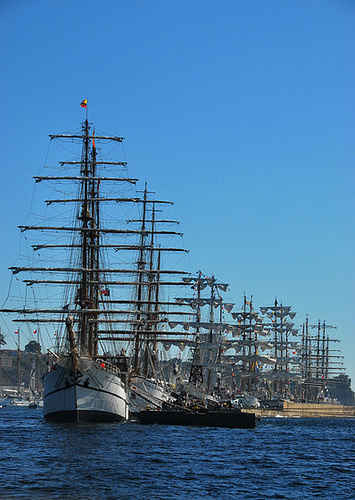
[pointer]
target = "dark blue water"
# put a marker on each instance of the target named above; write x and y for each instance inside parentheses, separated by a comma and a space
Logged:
(281, 458)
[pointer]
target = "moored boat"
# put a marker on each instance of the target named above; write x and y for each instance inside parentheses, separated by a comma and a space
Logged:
(83, 381)
(93, 392)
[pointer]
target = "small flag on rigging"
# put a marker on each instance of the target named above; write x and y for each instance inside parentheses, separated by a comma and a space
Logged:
(84, 103)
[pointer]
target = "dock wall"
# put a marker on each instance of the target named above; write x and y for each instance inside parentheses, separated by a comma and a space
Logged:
(306, 410)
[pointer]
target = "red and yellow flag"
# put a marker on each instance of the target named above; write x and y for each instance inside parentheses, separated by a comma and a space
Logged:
(93, 139)
(84, 103)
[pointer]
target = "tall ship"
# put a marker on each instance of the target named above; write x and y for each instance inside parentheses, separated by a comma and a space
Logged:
(207, 330)
(321, 364)
(66, 278)
(144, 325)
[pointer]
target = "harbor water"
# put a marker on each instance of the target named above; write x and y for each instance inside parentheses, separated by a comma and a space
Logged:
(279, 459)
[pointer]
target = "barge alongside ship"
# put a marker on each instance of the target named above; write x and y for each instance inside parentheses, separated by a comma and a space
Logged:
(234, 419)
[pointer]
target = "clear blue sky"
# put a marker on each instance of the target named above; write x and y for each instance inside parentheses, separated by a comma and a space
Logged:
(241, 112)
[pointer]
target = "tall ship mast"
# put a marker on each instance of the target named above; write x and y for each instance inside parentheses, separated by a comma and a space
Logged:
(320, 361)
(150, 307)
(286, 363)
(207, 327)
(250, 346)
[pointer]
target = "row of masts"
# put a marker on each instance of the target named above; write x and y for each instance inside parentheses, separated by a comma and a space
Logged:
(145, 319)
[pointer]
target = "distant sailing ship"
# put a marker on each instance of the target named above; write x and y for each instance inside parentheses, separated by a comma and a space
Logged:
(207, 329)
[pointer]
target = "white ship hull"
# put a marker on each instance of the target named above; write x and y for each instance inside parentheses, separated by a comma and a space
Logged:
(95, 394)
(145, 392)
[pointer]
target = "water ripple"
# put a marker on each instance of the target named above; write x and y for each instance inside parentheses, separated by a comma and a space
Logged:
(280, 459)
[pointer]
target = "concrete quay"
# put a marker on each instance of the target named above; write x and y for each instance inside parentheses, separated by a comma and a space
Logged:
(305, 410)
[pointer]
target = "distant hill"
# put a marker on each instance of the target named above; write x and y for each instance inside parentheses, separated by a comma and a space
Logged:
(9, 367)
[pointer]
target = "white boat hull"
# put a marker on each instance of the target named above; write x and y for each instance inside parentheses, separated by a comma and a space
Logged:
(19, 402)
(94, 394)
(145, 392)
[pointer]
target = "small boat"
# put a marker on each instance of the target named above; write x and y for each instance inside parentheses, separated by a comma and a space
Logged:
(18, 402)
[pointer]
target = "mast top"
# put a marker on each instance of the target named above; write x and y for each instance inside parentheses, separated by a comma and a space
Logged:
(86, 128)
